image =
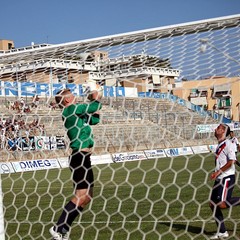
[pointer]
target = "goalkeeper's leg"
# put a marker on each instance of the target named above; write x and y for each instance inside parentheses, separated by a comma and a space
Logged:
(82, 175)
(73, 209)
(70, 212)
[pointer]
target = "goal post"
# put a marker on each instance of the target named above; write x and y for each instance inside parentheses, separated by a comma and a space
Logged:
(165, 90)
(2, 232)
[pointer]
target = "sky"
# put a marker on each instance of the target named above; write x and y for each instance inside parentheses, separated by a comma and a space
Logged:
(62, 21)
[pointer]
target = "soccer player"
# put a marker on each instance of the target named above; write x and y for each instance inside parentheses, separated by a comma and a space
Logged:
(236, 145)
(77, 119)
(224, 176)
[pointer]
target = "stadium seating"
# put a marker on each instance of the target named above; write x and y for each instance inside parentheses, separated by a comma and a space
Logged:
(127, 124)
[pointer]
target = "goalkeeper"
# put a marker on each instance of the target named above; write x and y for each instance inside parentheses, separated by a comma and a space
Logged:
(77, 119)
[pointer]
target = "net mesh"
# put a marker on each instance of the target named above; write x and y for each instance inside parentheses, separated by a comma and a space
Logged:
(153, 149)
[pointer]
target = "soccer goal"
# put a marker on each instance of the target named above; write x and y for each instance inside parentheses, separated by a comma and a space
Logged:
(164, 92)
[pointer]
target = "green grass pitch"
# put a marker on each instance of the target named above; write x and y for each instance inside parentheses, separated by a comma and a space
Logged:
(164, 198)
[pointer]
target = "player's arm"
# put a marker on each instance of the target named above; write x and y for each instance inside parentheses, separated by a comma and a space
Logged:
(94, 119)
(95, 96)
(90, 108)
(222, 169)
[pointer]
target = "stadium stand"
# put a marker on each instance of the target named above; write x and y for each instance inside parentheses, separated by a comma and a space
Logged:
(142, 123)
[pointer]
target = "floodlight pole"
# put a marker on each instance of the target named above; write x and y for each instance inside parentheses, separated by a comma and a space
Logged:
(2, 232)
(205, 42)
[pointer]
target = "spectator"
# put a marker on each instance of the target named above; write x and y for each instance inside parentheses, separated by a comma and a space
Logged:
(35, 101)
(52, 105)
(236, 145)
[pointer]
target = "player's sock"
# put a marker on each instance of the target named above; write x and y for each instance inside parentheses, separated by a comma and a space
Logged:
(219, 220)
(69, 213)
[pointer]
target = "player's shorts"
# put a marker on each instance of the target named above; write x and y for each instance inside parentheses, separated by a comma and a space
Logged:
(82, 173)
(222, 189)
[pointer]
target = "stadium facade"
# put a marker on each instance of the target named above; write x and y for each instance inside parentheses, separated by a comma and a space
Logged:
(141, 71)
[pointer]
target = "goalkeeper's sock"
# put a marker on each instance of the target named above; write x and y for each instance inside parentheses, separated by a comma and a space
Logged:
(69, 213)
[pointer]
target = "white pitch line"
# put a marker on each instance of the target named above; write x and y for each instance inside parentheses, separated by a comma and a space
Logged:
(117, 222)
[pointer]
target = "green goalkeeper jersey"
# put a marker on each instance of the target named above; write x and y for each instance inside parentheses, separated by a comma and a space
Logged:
(77, 120)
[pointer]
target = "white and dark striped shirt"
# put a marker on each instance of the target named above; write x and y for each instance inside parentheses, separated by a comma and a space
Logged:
(225, 153)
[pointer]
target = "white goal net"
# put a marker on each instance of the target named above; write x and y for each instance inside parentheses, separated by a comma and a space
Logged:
(164, 92)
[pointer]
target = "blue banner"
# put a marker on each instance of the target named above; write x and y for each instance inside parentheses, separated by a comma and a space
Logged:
(28, 89)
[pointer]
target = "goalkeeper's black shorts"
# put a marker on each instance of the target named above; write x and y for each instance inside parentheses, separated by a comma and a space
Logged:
(82, 173)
